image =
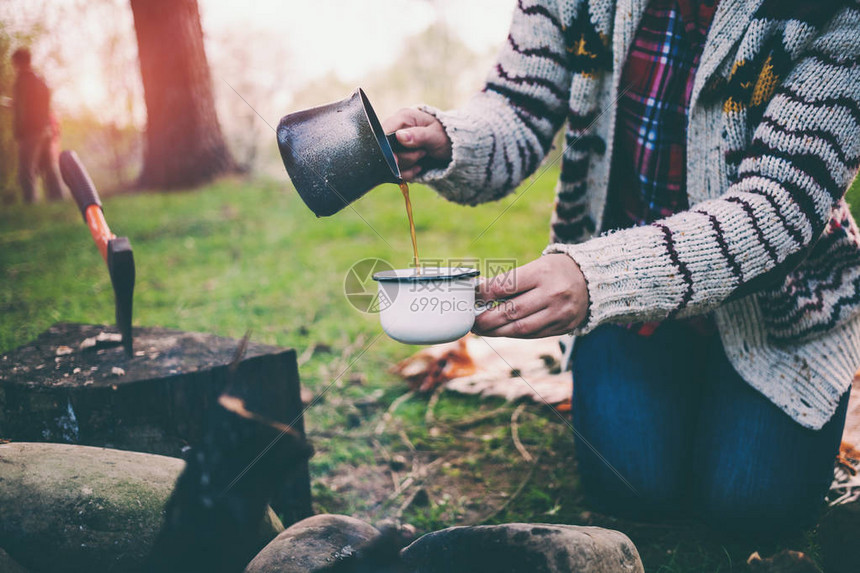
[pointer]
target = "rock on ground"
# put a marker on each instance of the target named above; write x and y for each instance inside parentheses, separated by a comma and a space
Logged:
(78, 508)
(534, 548)
(311, 544)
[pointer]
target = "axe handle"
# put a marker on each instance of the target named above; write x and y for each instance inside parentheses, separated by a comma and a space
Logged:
(84, 191)
(99, 228)
(76, 177)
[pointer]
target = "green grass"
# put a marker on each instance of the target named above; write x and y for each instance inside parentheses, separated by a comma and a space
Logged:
(237, 255)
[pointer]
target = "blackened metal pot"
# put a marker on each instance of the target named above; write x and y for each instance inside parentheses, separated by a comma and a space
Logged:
(336, 153)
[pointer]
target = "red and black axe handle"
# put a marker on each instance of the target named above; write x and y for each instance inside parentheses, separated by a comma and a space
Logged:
(76, 177)
(116, 251)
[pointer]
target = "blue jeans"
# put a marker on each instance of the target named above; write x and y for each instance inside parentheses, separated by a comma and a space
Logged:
(687, 435)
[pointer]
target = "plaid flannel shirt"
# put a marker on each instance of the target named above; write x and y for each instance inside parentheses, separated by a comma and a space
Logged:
(649, 160)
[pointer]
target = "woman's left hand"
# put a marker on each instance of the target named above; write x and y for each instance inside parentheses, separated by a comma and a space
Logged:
(545, 297)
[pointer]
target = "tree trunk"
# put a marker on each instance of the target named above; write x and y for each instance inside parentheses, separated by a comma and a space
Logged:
(159, 401)
(184, 146)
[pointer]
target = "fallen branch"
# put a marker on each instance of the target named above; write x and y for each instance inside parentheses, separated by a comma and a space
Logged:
(340, 435)
(386, 417)
(416, 477)
(515, 433)
(425, 473)
(337, 366)
(406, 441)
(406, 503)
(429, 415)
(395, 480)
(478, 418)
(350, 349)
(306, 355)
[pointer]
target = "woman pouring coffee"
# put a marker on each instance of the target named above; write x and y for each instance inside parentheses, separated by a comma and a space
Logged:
(701, 247)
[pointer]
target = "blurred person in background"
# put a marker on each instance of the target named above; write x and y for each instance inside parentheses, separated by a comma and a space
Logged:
(36, 131)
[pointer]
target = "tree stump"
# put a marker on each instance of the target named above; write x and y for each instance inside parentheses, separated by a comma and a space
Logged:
(61, 388)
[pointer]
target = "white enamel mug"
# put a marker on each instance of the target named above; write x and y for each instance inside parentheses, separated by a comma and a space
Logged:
(433, 307)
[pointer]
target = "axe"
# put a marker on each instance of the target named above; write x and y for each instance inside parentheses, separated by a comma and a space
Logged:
(116, 251)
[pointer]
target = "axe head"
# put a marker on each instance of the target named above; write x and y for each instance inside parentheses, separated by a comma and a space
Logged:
(120, 261)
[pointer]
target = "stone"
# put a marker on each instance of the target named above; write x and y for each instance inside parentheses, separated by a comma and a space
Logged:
(79, 508)
(530, 547)
(312, 543)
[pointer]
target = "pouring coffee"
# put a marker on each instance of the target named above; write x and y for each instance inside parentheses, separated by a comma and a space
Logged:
(335, 153)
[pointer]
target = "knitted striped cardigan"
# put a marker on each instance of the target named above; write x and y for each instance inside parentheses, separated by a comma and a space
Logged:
(773, 142)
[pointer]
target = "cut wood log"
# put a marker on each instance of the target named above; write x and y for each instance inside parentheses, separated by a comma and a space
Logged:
(68, 386)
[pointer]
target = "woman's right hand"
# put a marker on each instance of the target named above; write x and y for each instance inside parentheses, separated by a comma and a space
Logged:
(423, 136)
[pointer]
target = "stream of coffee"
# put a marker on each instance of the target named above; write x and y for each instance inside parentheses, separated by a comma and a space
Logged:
(404, 188)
